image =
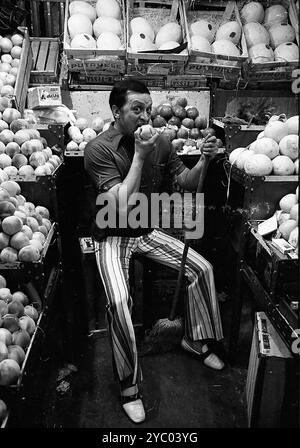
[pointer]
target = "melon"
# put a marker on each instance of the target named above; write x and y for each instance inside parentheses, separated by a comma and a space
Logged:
(234, 155)
(230, 31)
(225, 48)
(261, 53)
(296, 163)
(294, 235)
(267, 146)
(289, 146)
(287, 52)
(141, 25)
(200, 43)
(83, 40)
(287, 202)
(81, 7)
(108, 8)
(108, 41)
(292, 125)
(286, 227)
(79, 24)
(29, 253)
(18, 124)
(169, 31)
(281, 33)
(282, 217)
(97, 124)
(255, 33)
(260, 135)
(103, 24)
(141, 42)
(275, 14)
(258, 165)
(276, 130)
(81, 123)
(252, 12)
(202, 28)
(294, 212)
(243, 157)
(283, 166)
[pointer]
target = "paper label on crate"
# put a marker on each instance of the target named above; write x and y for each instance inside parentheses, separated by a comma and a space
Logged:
(184, 82)
(44, 96)
(102, 66)
(282, 245)
(267, 226)
(212, 70)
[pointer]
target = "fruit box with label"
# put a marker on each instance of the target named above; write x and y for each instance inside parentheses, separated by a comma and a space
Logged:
(153, 29)
(271, 56)
(207, 56)
(94, 57)
(43, 96)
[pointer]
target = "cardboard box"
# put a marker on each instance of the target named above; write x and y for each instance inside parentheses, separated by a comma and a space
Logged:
(43, 96)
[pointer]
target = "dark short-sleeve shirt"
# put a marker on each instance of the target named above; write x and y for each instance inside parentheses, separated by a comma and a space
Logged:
(107, 160)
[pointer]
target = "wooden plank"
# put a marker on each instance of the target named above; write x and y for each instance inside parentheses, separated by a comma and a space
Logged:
(61, 17)
(35, 46)
(52, 57)
(43, 53)
(35, 25)
(47, 16)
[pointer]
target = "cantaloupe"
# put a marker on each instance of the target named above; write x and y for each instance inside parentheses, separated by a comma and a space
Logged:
(252, 12)
(266, 146)
(255, 33)
(243, 157)
(81, 7)
(83, 40)
(103, 24)
(294, 236)
(286, 227)
(287, 202)
(108, 8)
(169, 31)
(230, 30)
(79, 24)
(292, 125)
(141, 25)
(234, 155)
(276, 130)
(294, 212)
(258, 165)
(289, 146)
(283, 166)
(202, 28)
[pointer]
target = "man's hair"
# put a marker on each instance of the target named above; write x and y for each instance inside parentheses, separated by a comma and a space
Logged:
(118, 95)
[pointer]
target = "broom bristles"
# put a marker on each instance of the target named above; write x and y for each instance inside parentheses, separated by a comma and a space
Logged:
(163, 336)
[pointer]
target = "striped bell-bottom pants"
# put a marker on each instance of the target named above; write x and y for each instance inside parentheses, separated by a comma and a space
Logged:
(202, 316)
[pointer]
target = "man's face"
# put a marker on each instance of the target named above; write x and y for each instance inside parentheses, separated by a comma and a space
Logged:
(135, 112)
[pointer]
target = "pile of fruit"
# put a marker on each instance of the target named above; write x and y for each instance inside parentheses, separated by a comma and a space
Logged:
(11, 49)
(23, 152)
(287, 218)
(268, 34)
(81, 133)
(98, 26)
(275, 151)
(183, 124)
(18, 320)
(24, 226)
(3, 411)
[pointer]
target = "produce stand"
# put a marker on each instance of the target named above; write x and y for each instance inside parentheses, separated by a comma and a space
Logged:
(233, 96)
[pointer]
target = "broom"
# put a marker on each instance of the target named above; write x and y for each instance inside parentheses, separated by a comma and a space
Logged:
(167, 332)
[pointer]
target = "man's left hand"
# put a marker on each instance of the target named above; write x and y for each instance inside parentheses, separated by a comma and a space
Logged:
(210, 147)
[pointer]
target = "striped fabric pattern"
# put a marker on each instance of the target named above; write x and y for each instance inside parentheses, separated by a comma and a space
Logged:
(202, 315)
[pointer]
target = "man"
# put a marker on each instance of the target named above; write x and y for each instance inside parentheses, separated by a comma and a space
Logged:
(121, 163)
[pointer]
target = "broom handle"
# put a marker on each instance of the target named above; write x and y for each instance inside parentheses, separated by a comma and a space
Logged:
(187, 243)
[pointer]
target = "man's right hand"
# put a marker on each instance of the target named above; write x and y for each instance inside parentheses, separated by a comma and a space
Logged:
(144, 147)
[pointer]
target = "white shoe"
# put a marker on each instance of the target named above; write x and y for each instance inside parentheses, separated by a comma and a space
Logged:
(135, 410)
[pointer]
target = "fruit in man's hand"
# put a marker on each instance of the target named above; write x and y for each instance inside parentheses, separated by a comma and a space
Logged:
(146, 132)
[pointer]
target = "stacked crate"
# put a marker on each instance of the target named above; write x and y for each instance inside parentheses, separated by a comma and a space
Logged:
(94, 69)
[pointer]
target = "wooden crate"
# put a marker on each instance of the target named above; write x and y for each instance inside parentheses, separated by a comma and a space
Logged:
(274, 71)
(95, 62)
(151, 64)
(47, 17)
(45, 52)
(22, 80)
(214, 65)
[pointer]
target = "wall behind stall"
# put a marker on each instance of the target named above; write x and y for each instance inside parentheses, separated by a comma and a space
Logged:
(90, 104)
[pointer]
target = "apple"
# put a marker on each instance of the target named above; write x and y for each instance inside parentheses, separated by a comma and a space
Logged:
(5, 336)
(28, 324)
(9, 372)
(3, 351)
(19, 296)
(17, 353)
(21, 337)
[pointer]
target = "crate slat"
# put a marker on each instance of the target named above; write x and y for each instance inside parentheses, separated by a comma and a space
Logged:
(52, 56)
(35, 46)
(43, 52)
